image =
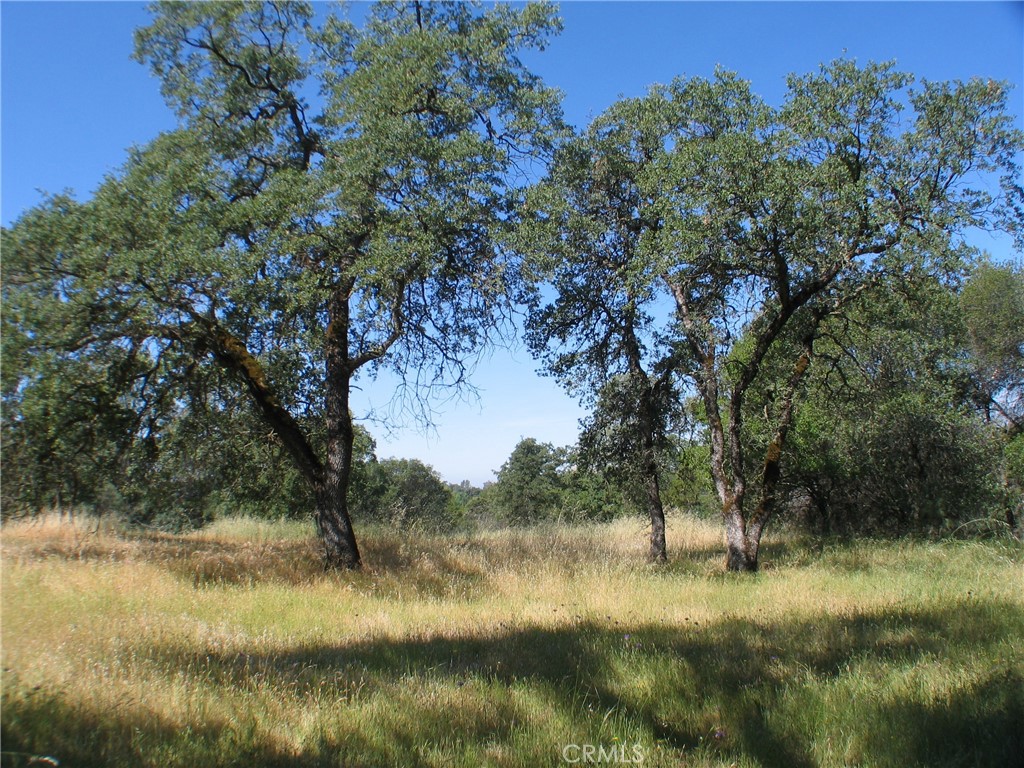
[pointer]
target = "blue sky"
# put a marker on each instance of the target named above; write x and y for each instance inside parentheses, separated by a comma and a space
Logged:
(72, 101)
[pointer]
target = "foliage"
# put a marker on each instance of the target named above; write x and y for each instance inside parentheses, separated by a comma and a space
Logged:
(590, 496)
(403, 492)
(992, 303)
(540, 483)
(687, 480)
(339, 199)
(722, 232)
(891, 438)
(612, 438)
(528, 485)
(328, 206)
(905, 466)
(1013, 457)
(463, 493)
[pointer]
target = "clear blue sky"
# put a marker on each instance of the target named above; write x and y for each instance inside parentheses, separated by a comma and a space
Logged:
(73, 101)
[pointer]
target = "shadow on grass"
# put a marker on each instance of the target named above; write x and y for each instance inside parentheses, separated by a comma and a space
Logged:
(40, 728)
(980, 726)
(395, 564)
(765, 693)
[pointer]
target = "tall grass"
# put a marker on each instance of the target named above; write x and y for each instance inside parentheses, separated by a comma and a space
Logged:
(232, 647)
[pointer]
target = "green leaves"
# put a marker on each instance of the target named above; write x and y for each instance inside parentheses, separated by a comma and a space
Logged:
(235, 72)
(330, 204)
(992, 303)
(698, 233)
(528, 486)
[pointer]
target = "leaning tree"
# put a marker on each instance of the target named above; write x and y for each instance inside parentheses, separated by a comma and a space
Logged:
(328, 206)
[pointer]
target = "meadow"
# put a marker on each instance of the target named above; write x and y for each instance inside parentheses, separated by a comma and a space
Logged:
(538, 647)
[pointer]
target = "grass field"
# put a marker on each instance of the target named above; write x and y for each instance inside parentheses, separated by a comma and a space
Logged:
(547, 647)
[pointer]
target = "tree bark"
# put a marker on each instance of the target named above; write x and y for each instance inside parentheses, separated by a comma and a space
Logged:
(658, 552)
(742, 540)
(332, 515)
(334, 524)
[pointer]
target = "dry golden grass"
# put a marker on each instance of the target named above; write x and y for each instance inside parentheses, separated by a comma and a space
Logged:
(232, 646)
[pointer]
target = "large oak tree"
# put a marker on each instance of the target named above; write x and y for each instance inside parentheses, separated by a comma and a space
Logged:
(328, 206)
(706, 230)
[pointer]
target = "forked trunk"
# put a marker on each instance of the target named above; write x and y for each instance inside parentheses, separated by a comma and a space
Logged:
(742, 541)
(330, 481)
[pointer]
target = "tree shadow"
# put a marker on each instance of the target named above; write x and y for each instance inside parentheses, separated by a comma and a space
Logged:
(40, 728)
(736, 688)
(740, 689)
(982, 724)
(394, 564)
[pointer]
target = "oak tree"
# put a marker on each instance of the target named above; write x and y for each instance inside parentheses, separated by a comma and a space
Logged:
(585, 235)
(329, 206)
(722, 230)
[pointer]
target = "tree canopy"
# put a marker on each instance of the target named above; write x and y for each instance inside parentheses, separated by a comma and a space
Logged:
(342, 198)
(722, 232)
(329, 205)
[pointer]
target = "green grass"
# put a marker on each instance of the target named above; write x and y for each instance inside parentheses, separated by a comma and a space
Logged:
(231, 647)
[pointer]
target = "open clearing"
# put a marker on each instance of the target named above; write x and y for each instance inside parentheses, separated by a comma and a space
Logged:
(541, 647)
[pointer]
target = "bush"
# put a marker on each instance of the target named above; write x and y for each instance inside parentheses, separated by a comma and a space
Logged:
(401, 492)
(909, 467)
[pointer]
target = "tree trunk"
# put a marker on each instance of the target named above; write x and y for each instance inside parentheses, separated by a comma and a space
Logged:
(658, 552)
(742, 540)
(335, 527)
(332, 517)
